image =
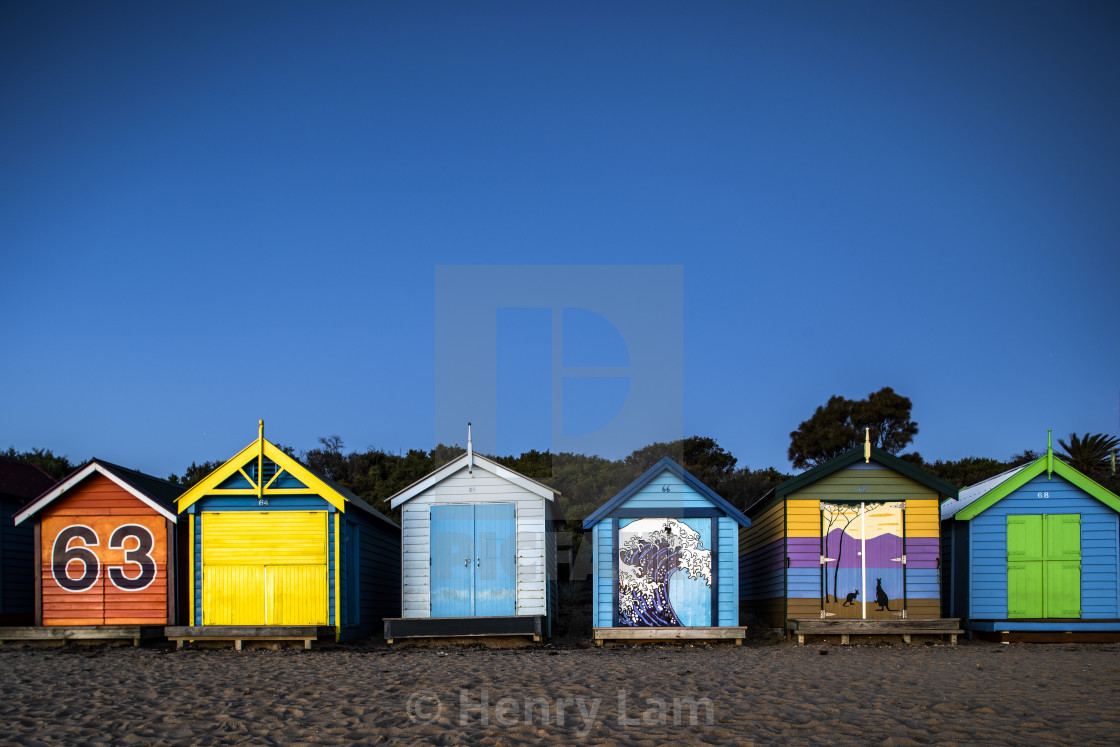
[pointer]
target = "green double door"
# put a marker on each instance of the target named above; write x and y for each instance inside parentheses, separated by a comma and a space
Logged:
(1044, 566)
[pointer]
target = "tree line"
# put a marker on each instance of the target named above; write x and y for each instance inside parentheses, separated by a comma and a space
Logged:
(586, 482)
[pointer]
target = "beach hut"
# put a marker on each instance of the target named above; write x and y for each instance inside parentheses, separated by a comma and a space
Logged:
(19, 483)
(478, 553)
(278, 552)
(105, 548)
(665, 555)
(848, 547)
(1033, 555)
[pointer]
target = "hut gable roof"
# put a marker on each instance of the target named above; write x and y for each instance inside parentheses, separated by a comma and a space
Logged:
(313, 483)
(22, 480)
(157, 493)
(666, 464)
(480, 462)
(983, 495)
(943, 488)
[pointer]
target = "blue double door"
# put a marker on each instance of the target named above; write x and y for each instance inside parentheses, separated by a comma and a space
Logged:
(474, 560)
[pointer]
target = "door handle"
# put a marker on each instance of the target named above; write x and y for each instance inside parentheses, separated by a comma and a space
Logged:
(478, 562)
(466, 562)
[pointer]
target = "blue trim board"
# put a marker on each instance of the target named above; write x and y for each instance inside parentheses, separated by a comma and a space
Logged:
(684, 475)
(614, 571)
(715, 572)
(661, 513)
(1076, 626)
(252, 503)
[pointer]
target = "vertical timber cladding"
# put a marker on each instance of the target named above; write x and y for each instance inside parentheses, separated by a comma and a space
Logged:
(264, 568)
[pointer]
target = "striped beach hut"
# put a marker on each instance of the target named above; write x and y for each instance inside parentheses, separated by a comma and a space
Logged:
(478, 553)
(847, 543)
(1033, 553)
(665, 554)
(277, 551)
(106, 544)
(19, 483)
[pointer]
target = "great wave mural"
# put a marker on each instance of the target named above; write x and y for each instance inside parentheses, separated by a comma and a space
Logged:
(862, 559)
(664, 573)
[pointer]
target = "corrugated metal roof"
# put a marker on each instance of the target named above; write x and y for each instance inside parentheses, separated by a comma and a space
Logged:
(973, 493)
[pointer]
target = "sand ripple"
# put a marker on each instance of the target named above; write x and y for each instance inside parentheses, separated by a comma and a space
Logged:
(639, 697)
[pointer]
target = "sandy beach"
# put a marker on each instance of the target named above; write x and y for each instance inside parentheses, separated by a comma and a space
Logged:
(974, 693)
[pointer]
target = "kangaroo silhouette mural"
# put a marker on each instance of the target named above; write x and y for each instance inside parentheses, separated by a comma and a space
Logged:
(860, 542)
(881, 598)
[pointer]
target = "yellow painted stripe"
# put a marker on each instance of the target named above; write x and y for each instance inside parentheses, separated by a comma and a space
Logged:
(922, 518)
(803, 518)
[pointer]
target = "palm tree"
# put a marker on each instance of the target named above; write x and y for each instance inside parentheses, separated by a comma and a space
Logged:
(1089, 453)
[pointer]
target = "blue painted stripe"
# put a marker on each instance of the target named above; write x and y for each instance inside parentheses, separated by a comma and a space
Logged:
(252, 503)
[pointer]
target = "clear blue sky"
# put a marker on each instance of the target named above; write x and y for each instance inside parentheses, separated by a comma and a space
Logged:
(218, 212)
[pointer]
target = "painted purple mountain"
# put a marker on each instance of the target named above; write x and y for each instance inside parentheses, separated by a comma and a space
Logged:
(880, 550)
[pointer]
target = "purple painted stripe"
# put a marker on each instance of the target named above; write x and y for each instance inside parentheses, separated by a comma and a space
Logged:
(804, 552)
(769, 557)
(923, 552)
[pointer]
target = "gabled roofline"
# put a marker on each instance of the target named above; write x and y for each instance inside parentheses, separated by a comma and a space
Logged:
(687, 477)
(100, 467)
(943, 488)
(332, 493)
(484, 463)
(1028, 473)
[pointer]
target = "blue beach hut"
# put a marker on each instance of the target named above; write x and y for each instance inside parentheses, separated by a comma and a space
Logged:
(1032, 554)
(666, 560)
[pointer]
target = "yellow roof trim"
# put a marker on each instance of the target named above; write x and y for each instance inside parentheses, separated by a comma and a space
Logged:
(208, 484)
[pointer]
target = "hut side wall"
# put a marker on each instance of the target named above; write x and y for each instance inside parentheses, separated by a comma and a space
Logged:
(762, 565)
(803, 547)
(17, 571)
(923, 549)
(1100, 575)
(651, 497)
(460, 488)
(380, 565)
(603, 561)
(101, 506)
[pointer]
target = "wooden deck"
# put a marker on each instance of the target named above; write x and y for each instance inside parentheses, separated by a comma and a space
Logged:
(532, 626)
(240, 633)
(807, 626)
(65, 633)
(668, 634)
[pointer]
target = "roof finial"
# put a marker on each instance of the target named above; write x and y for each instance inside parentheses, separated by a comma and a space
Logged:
(1049, 452)
(260, 461)
(470, 452)
(867, 446)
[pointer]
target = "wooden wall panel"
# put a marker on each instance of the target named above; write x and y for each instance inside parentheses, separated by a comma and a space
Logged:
(121, 556)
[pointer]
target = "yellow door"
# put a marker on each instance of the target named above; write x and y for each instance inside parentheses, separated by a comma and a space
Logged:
(267, 568)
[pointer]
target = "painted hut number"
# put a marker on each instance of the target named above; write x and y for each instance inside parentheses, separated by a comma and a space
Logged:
(72, 544)
(1044, 495)
(665, 489)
